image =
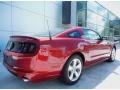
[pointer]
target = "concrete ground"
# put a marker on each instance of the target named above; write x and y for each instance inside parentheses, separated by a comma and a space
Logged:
(103, 76)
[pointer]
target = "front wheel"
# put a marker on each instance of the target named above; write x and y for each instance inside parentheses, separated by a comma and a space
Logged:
(72, 70)
(112, 56)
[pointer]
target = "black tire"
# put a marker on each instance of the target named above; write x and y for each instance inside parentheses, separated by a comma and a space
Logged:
(65, 72)
(111, 59)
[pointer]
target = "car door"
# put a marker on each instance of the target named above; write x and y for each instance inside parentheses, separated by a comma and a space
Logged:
(97, 47)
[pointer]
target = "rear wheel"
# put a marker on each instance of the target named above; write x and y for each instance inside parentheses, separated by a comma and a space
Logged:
(112, 56)
(72, 70)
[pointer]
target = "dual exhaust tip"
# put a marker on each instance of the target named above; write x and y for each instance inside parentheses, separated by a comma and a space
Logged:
(26, 80)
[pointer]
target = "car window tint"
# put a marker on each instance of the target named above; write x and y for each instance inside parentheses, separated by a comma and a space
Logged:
(89, 34)
(74, 34)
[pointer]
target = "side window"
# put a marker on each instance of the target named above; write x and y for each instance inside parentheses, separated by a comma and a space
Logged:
(74, 34)
(89, 34)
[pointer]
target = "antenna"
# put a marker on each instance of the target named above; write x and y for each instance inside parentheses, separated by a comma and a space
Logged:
(49, 31)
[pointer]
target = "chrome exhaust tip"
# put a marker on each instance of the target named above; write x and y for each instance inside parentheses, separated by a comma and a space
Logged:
(25, 80)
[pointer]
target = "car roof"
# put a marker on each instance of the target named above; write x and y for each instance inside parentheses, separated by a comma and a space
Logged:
(62, 34)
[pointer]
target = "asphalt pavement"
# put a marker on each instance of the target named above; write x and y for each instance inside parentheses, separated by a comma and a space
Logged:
(105, 75)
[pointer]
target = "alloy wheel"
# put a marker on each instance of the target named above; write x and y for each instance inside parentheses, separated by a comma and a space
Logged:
(113, 53)
(74, 69)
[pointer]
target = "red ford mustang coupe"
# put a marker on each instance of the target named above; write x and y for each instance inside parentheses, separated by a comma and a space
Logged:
(62, 55)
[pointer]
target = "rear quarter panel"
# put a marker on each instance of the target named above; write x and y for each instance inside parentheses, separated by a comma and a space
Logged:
(54, 53)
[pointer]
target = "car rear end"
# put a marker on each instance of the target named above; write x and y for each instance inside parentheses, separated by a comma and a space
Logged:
(20, 55)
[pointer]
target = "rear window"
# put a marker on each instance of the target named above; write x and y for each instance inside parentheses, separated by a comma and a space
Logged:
(74, 34)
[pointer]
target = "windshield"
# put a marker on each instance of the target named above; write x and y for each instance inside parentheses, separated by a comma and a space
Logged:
(53, 32)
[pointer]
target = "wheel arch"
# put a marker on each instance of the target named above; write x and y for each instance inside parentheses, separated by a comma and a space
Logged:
(79, 54)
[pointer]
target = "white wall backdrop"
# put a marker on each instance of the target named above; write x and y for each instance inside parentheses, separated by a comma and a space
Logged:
(27, 18)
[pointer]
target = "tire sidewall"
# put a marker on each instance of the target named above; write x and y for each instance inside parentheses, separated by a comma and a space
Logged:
(111, 59)
(65, 70)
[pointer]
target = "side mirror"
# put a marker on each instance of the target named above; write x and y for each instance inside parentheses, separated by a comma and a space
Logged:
(100, 39)
(104, 38)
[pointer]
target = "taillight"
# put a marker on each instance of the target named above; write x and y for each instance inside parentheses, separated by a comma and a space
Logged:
(21, 47)
(10, 45)
(28, 47)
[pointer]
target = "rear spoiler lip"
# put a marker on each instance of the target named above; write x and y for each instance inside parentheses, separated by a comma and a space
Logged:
(29, 37)
(25, 39)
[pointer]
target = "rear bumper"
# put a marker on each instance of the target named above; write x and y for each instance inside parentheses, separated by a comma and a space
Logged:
(17, 72)
(29, 68)
(25, 75)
